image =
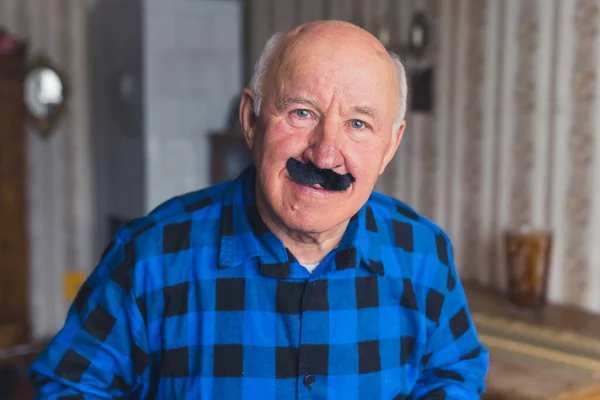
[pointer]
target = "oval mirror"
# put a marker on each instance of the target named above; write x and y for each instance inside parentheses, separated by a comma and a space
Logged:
(45, 95)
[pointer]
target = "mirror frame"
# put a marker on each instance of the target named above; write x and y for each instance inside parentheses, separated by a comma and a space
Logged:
(46, 125)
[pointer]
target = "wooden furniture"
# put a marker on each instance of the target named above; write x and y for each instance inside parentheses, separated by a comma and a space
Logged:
(551, 355)
(14, 363)
(14, 278)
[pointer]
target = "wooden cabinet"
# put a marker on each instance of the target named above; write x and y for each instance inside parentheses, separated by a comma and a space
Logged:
(14, 237)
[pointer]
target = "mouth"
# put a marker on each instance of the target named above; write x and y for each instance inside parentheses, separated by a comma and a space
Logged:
(316, 186)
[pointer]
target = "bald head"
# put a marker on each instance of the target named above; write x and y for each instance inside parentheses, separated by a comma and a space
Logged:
(328, 43)
(332, 36)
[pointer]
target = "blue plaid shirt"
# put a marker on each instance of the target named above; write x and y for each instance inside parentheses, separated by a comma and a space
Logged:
(199, 300)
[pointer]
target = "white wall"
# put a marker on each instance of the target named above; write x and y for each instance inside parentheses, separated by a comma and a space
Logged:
(193, 61)
(117, 121)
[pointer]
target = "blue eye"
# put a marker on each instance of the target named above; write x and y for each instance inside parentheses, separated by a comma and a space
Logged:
(302, 113)
(356, 124)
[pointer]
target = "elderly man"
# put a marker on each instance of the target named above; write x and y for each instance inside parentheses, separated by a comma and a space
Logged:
(293, 281)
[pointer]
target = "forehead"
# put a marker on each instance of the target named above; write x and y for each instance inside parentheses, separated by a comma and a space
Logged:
(353, 76)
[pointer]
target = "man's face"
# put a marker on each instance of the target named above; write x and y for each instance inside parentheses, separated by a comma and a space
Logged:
(333, 107)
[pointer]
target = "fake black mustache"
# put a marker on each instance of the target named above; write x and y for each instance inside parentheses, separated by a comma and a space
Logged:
(309, 174)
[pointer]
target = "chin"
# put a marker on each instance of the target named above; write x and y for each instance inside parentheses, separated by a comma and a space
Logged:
(313, 219)
(308, 223)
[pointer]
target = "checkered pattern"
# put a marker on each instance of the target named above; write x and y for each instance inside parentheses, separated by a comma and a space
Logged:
(200, 300)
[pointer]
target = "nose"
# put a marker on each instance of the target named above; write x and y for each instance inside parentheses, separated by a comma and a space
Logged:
(324, 150)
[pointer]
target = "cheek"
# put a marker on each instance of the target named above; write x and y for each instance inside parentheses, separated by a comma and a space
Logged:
(278, 143)
(282, 141)
(364, 160)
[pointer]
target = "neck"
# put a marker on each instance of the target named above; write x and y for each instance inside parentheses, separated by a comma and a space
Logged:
(307, 247)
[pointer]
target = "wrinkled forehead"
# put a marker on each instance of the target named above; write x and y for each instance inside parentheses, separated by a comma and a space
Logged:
(353, 75)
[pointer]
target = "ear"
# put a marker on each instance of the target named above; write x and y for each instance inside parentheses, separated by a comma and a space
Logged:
(393, 146)
(247, 117)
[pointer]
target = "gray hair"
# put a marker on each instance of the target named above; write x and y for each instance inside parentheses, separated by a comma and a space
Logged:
(261, 66)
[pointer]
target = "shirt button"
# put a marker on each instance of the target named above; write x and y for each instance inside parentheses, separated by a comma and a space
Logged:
(309, 380)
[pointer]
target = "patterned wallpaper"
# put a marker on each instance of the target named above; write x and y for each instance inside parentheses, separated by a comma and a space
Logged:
(582, 142)
(472, 159)
(513, 139)
(59, 167)
(429, 159)
(546, 147)
(524, 97)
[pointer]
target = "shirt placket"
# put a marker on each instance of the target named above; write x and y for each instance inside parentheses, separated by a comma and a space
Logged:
(312, 357)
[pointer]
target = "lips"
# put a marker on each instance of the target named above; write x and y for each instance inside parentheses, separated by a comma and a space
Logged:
(316, 187)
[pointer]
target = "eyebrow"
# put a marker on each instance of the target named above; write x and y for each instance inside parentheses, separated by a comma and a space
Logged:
(283, 103)
(366, 110)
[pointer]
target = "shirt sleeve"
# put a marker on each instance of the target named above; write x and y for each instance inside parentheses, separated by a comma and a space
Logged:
(101, 352)
(455, 362)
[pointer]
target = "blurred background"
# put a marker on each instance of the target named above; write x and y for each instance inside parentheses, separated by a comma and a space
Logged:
(110, 107)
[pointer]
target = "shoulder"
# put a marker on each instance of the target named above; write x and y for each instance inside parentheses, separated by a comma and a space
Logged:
(418, 237)
(180, 223)
(195, 213)
(388, 208)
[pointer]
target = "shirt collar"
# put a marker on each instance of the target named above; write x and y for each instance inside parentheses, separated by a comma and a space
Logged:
(244, 235)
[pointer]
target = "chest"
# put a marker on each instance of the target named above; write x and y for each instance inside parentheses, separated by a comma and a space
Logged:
(241, 337)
